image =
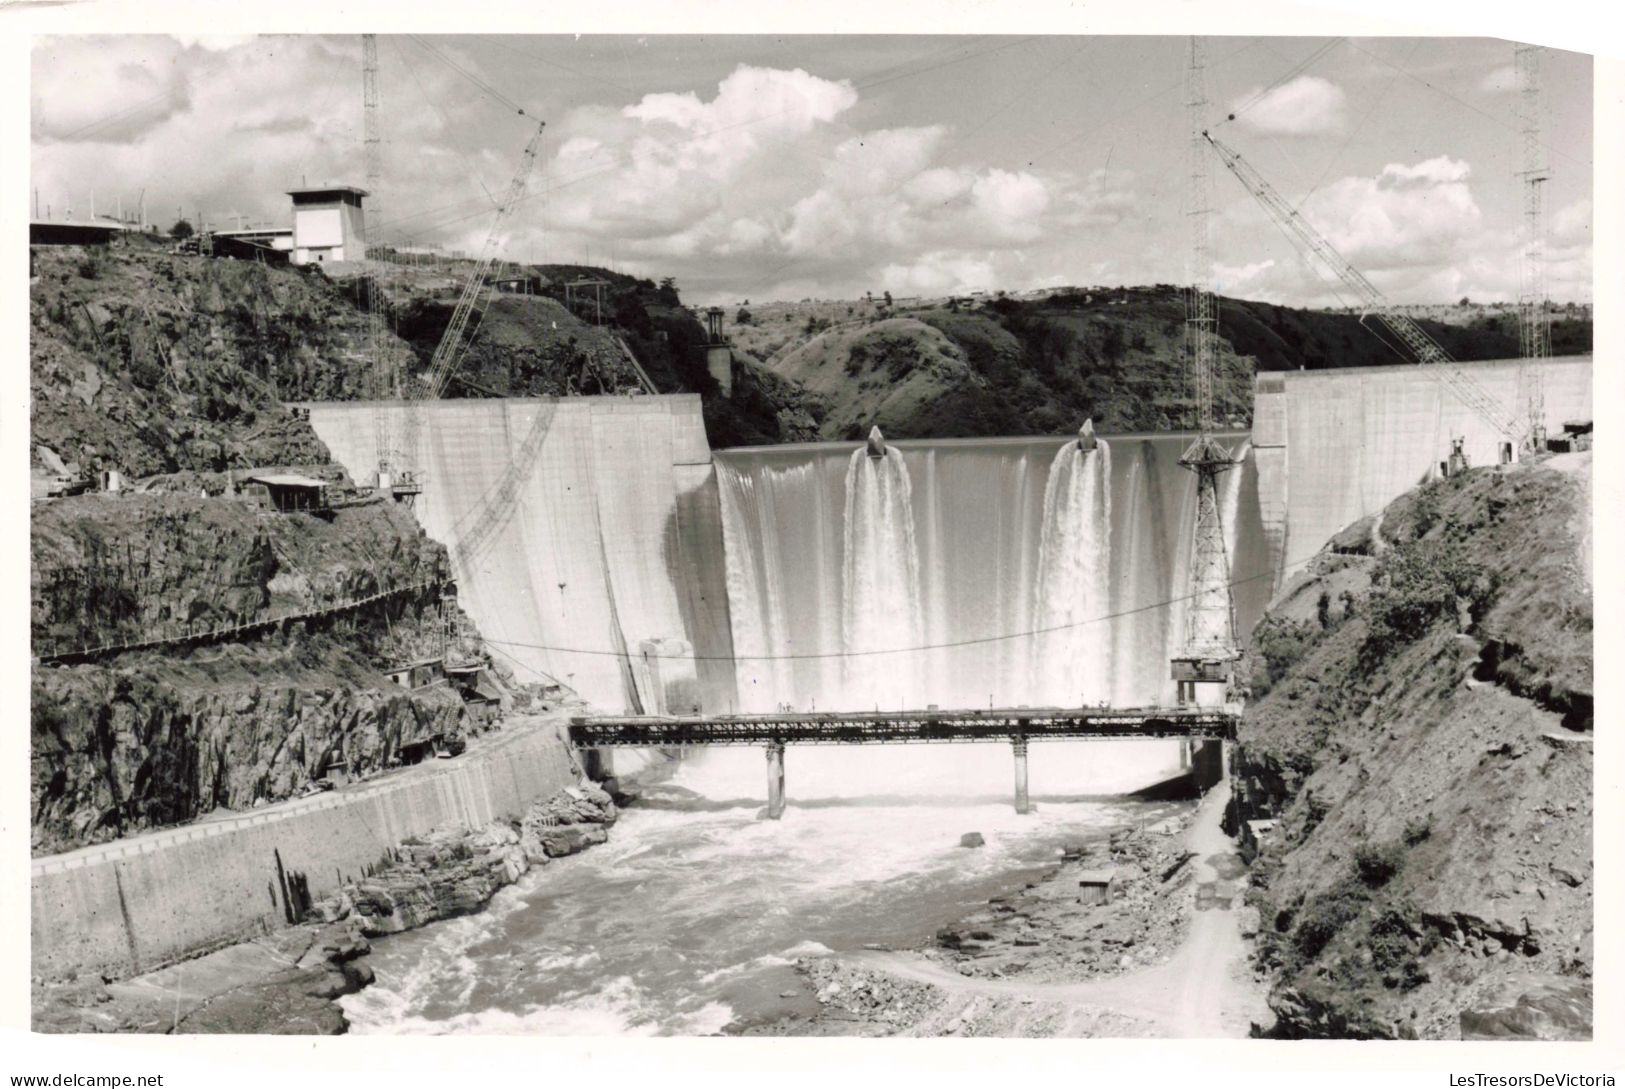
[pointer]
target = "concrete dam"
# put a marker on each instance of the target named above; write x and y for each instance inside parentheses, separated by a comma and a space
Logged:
(599, 542)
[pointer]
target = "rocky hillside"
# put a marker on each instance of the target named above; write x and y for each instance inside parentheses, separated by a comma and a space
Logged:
(1420, 730)
(147, 363)
(147, 738)
(173, 370)
(1008, 366)
(558, 343)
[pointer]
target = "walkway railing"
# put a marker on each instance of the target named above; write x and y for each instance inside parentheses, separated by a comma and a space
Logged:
(1016, 726)
(846, 727)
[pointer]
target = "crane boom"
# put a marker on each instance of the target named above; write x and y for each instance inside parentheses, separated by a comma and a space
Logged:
(447, 353)
(450, 349)
(1422, 347)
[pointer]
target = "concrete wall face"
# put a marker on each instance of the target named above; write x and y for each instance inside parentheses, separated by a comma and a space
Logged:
(611, 535)
(137, 904)
(1337, 445)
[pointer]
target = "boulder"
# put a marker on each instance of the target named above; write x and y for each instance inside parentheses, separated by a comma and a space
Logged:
(1534, 1008)
(971, 839)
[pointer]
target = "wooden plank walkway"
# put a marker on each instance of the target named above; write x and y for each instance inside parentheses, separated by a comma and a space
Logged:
(848, 727)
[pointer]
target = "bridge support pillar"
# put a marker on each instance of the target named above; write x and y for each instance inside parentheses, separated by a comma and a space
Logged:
(775, 780)
(1210, 761)
(1018, 746)
(598, 764)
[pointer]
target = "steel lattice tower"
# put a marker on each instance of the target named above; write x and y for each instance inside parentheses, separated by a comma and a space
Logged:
(1534, 326)
(384, 385)
(1207, 651)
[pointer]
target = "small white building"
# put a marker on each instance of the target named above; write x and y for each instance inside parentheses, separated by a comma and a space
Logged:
(328, 224)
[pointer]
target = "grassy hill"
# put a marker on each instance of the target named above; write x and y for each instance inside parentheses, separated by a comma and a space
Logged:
(1009, 366)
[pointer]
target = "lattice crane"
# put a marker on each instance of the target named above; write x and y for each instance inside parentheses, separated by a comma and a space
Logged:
(378, 355)
(1534, 326)
(1423, 348)
(1203, 666)
(448, 353)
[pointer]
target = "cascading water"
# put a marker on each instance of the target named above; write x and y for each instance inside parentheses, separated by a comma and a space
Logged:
(1072, 659)
(1007, 537)
(881, 585)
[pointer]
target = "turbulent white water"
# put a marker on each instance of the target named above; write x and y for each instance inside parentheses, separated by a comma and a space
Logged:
(689, 918)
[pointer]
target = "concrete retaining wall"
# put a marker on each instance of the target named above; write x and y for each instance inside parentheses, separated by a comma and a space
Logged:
(1337, 445)
(136, 904)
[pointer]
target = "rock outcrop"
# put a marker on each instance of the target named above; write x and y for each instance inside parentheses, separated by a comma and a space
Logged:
(1430, 861)
(157, 741)
(137, 740)
(456, 871)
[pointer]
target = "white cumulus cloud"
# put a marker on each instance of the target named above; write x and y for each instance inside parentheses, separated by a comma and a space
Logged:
(1300, 107)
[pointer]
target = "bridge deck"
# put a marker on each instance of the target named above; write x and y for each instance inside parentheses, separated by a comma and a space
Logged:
(848, 727)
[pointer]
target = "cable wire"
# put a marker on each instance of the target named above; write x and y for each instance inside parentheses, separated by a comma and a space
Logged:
(952, 644)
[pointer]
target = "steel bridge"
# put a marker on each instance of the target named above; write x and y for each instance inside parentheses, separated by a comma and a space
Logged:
(1205, 727)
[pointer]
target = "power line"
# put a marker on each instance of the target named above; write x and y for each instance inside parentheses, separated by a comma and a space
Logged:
(493, 40)
(485, 88)
(435, 106)
(1258, 96)
(953, 644)
(1463, 102)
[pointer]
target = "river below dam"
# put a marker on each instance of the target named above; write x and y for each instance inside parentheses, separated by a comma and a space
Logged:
(689, 919)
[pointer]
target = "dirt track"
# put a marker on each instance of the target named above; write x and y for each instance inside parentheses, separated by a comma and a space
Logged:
(1204, 990)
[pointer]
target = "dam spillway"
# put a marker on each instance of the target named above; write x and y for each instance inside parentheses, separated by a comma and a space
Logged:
(1041, 579)
(585, 531)
(796, 575)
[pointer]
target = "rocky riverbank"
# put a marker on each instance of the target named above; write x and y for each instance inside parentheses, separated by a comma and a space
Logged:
(1054, 959)
(285, 982)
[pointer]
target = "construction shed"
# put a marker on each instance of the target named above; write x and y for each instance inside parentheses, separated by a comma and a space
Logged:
(1097, 886)
(63, 233)
(416, 674)
(291, 492)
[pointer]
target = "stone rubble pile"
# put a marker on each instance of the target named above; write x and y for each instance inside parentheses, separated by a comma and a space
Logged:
(455, 871)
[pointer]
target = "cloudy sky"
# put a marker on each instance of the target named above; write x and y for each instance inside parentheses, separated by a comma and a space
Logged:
(784, 167)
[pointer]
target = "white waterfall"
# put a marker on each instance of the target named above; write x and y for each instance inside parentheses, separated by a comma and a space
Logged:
(881, 585)
(1072, 656)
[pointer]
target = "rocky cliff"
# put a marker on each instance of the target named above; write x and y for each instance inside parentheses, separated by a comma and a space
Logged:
(1420, 732)
(175, 370)
(147, 362)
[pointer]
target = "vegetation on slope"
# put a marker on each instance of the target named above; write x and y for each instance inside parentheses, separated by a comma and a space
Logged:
(1008, 366)
(1420, 725)
(550, 344)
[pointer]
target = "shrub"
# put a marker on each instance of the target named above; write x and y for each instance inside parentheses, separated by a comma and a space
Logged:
(1324, 916)
(1419, 584)
(1314, 811)
(1278, 645)
(1377, 864)
(1417, 830)
(1394, 951)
